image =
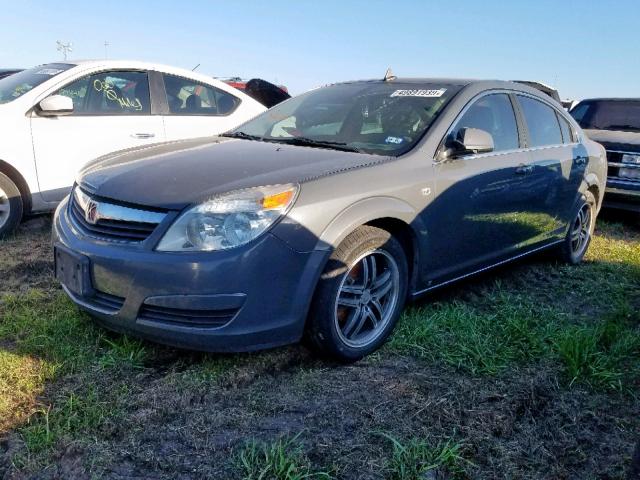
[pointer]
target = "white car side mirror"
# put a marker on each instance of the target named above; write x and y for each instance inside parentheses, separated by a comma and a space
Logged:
(55, 105)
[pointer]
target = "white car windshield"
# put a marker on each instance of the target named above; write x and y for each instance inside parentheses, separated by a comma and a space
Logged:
(383, 118)
(16, 85)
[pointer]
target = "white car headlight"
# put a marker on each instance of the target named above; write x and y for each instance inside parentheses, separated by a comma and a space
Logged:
(228, 220)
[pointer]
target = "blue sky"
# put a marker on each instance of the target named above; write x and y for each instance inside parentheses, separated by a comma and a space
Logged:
(584, 48)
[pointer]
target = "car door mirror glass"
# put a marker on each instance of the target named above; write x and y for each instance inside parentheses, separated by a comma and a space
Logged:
(471, 141)
(55, 105)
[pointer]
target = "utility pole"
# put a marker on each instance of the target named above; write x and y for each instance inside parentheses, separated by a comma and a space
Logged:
(106, 44)
(65, 48)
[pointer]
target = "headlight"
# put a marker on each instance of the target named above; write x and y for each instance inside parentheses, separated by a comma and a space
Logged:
(228, 220)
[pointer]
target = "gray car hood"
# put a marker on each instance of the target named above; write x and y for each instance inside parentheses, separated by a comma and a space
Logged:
(176, 174)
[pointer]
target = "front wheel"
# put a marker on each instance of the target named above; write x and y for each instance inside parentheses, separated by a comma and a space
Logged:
(10, 206)
(580, 231)
(360, 295)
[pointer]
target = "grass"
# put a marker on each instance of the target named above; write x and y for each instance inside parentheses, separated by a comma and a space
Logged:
(280, 460)
(49, 338)
(535, 316)
(468, 337)
(84, 412)
(63, 380)
(416, 458)
(604, 355)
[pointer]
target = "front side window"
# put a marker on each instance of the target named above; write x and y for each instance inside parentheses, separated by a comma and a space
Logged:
(608, 115)
(383, 118)
(110, 93)
(188, 97)
(494, 114)
(16, 85)
(544, 129)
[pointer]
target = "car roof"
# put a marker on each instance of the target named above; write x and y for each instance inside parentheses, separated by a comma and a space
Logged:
(139, 65)
(414, 80)
(462, 83)
(458, 82)
(611, 99)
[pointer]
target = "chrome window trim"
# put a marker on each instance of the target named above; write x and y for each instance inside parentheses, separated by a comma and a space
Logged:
(501, 152)
(570, 120)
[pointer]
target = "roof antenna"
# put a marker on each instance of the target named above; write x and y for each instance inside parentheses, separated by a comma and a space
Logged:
(389, 76)
(194, 68)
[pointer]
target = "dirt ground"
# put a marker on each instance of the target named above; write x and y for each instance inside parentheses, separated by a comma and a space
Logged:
(180, 416)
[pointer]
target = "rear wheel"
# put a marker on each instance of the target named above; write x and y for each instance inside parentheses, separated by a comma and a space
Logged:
(581, 229)
(360, 295)
(10, 206)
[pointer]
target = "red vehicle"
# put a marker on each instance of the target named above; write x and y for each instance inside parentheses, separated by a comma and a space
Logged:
(265, 92)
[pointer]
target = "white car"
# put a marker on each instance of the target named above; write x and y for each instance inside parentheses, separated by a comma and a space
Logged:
(54, 118)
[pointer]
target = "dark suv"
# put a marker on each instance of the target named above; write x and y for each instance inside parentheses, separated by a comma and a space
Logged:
(615, 123)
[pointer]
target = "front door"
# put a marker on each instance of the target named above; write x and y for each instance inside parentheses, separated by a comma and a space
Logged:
(482, 213)
(111, 112)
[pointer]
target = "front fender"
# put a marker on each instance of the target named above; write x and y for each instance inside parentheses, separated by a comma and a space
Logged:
(365, 211)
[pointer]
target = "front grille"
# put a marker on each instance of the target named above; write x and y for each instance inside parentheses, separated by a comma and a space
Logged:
(111, 221)
(614, 160)
(186, 317)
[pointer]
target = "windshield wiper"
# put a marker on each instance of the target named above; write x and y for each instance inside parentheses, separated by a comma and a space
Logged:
(243, 135)
(310, 142)
(633, 128)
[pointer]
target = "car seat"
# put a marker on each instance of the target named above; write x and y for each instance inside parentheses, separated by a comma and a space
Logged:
(193, 103)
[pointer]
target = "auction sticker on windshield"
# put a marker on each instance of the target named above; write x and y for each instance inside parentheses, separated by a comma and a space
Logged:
(419, 93)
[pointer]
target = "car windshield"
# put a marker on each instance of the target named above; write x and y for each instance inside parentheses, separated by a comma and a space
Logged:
(383, 118)
(16, 85)
(608, 115)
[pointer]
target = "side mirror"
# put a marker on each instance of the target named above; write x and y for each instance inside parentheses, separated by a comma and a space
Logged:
(472, 140)
(55, 105)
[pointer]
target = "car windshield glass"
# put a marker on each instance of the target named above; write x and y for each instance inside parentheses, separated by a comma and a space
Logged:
(14, 86)
(608, 115)
(384, 118)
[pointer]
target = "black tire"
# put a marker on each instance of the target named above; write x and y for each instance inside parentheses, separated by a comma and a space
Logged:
(11, 206)
(570, 252)
(367, 249)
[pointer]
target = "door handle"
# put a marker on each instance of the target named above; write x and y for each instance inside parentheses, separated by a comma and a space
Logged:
(524, 169)
(581, 160)
(143, 135)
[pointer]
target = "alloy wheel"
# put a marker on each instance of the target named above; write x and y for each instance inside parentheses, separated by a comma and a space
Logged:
(581, 230)
(367, 298)
(5, 208)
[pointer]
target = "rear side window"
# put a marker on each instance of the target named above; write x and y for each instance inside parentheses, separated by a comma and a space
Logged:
(493, 114)
(110, 93)
(565, 128)
(542, 122)
(188, 97)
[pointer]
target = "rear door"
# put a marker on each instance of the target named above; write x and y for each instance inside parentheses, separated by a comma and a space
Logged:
(196, 109)
(482, 212)
(112, 111)
(557, 162)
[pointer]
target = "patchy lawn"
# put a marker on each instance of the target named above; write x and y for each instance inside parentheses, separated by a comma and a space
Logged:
(529, 371)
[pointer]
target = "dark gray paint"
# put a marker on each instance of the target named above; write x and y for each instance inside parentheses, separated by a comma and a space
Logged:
(462, 216)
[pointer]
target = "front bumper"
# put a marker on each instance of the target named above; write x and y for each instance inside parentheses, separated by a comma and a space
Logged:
(249, 298)
(622, 194)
